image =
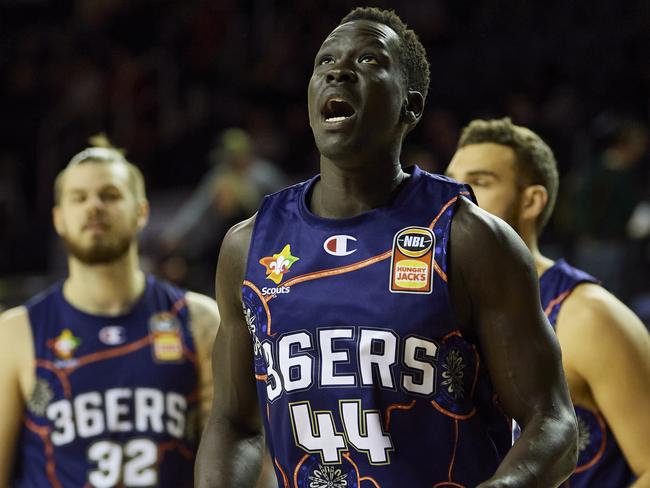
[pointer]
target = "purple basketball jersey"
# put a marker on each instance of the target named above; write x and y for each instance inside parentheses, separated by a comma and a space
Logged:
(364, 377)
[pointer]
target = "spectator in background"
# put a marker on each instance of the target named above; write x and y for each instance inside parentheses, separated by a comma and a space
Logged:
(610, 190)
(231, 190)
(606, 197)
(105, 377)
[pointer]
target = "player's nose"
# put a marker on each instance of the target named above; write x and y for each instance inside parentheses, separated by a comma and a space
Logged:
(94, 203)
(341, 74)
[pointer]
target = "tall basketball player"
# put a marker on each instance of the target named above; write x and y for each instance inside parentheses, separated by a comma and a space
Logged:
(606, 347)
(104, 377)
(390, 346)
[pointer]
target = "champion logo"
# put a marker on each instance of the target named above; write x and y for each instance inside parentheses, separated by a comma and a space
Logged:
(339, 245)
(113, 335)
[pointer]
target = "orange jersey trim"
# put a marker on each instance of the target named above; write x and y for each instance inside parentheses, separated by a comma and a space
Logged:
(397, 406)
(295, 471)
(340, 270)
(44, 434)
(451, 414)
(601, 450)
(557, 300)
(61, 375)
(366, 262)
(346, 455)
(285, 480)
(264, 303)
(112, 353)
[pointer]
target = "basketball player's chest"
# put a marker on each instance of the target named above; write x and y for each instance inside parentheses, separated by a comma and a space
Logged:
(387, 277)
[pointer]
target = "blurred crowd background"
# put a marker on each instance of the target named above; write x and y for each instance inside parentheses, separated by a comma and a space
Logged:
(208, 97)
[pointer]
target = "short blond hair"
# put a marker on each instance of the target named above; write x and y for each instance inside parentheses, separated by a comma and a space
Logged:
(102, 151)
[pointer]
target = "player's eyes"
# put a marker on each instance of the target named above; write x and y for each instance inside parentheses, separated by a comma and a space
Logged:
(368, 59)
(327, 59)
(480, 182)
(76, 198)
(110, 196)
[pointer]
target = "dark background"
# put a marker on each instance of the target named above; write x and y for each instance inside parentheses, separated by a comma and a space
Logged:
(164, 78)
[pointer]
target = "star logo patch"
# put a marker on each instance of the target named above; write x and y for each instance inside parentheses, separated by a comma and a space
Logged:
(65, 344)
(278, 264)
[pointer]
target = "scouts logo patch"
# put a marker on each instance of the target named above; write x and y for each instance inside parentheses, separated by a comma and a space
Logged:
(65, 344)
(411, 266)
(278, 264)
(167, 344)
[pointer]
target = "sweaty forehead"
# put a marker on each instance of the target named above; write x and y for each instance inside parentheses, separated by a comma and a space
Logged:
(364, 30)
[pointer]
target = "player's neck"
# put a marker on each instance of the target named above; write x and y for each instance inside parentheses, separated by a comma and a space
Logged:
(105, 289)
(542, 263)
(343, 193)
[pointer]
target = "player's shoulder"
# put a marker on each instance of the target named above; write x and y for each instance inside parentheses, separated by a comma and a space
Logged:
(484, 236)
(592, 319)
(237, 239)
(14, 317)
(441, 179)
(204, 316)
(200, 304)
(289, 191)
(445, 184)
(590, 308)
(15, 331)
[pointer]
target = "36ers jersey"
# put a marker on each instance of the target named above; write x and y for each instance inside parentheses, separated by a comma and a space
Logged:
(115, 400)
(363, 375)
(600, 461)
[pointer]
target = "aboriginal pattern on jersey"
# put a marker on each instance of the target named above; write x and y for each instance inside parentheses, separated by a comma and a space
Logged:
(364, 377)
(115, 401)
(600, 461)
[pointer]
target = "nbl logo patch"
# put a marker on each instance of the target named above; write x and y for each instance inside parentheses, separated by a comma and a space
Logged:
(411, 266)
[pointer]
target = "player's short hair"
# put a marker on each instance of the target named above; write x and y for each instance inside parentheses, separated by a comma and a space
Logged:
(102, 151)
(536, 164)
(413, 56)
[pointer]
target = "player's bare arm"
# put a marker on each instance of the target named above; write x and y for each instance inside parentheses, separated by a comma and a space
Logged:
(16, 380)
(495, 293)
(204, 321)
(607, 362)
(232, 445)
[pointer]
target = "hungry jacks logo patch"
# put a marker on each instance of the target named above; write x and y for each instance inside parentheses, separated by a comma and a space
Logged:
(278, 264)
(411, 266)
(165, 329)
(64, 345)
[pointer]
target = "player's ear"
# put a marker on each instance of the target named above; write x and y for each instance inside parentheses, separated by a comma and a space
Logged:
(143, 213)
(57, 219)
(533, 201)
(412, 108)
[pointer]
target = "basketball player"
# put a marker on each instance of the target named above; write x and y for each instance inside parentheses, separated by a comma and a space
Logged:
(389, 346)
(606, 347)
(104, 376)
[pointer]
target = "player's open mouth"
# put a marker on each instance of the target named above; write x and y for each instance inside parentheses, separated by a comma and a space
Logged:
(337, 110)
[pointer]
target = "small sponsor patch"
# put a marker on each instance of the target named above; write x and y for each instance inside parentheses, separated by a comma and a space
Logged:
(167, 342)
(278, 264)
(339, 245)
(112, 335)
(411, 265)
(64, 345)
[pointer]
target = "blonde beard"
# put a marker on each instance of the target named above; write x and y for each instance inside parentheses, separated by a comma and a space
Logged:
(99, 253)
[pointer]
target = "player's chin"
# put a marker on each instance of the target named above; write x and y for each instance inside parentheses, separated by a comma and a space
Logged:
(337, 145)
